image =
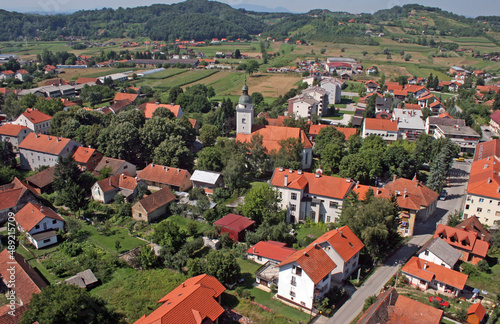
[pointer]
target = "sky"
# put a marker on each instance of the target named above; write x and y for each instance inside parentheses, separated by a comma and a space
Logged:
(467, 8)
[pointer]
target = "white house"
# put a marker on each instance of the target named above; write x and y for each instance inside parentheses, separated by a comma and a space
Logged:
(35, 120)
(464, 136)
(343, 247)
(410, 123)
(40, 224)
(320, 95)
(105, 190)
(385, 128)
(305, 276)
(116, 166)
(207, 180)
(14, 134)
(38, 150)
(334, 87)
(272, 251)
(439, 252)
(309, 195)
(303, 106)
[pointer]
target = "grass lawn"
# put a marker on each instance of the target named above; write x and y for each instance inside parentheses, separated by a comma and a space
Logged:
(488, 281)
(349, 112)
(108, 242)
(314, 230)
(37, 266)
(134, 293)
(183, 223)
(339, 117)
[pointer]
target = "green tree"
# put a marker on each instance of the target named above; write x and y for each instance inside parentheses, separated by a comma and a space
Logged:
(454, 218)
(163, 112)
(261, 204)
(496, 102)
(168, 234)
(289, 155)
(209, 159)
(195, 267)
(173, 152)
(121, 141)
(174, 93)
(209, 134)
(236, 173)
(67, 304)
(118, 245)
(223, 266)
(252, 66)
(400, 162)
(7, 155)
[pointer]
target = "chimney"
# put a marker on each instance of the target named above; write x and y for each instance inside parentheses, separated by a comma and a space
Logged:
(394, 178)
(286, 181)
(254, 249)
(178, 170)
(348, 180)
(405, 194)
(425, 265)
(153, 200)
(152, 165)
(489, 179)
(57, 138)
(290, 170)
(280, 169)
(318, 174)
(36, 135)
(299, 171)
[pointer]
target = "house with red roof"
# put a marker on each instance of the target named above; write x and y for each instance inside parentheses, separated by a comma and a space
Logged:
(423, 275)
(35, 120)
(196, 300)
(235, 225)
(385, 128)
(14, 134)
(125, 96)
(472, 224)
(271, 135)
(495, 122)
(20, 74)
(38, 150)
(28, 283)
(475, 313)
(305, 276)
(269, 251)
(87, 158)
(414, 187)
(159, 176)
(483, 190)
(105, 190)
(347, 131)
(4, 75)
(153, 206)
(14, 196)
(306, 195)
(393, 308)
(371, 86)
(115, 166)
(42, 181)
(40, 224)
(467, 243)
(150, 108)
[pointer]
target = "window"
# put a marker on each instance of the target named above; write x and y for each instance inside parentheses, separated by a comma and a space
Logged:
(426, 252)
(466, 206)
(334, 204)
(243, 121)
(46, 241)
(259, 258)
(293, 196)
(479, 209)
(481, 200)
(54, 221)
(325, 278)
(292, 293)
(37, 226)
(293, 282)
(292, 207)
(328, 219)
(313, 204)
(296, 270)
(312, 214)
(281, 194)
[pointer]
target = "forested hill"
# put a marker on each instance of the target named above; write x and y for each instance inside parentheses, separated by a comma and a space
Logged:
(203, 20)
(192, 19)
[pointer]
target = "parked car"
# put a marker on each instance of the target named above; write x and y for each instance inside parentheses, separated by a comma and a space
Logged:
(443, 195)
(460, 159)
(436, 299)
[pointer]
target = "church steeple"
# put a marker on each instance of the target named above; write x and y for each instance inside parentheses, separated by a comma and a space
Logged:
(244, 112)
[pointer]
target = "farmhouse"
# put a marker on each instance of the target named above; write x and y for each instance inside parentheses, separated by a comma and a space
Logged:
(87, 158)
(105, 190)
(40, 224)
(35, 120)
(14, 134)
(14, 196)
(115, 166)
(158, 176)
(153, 206)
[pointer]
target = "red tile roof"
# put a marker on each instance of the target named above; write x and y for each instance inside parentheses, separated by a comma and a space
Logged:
(326, 186)
(445, 115)
(413, 106)
(277, 121)
(162, 174)
(124, 96)
(484, 179)
(28, 282)
(121, 181)
(428, 271)
(405, 201)
(463, 240)
(157, 200)
(193, 302)
(472, 224)
(82, 80)
(477, 309)
(271, 250)
(371, 82)
(313, 261)
(32, 214)
(7, 72)
(347, 131)
(487, 149)
(413, 187)
(42, 178)
(235, 222)
(11, 193)
(83, 154)
(151, 107)
(36, 116)
(272, 135)
(414, 88)
(381, 124)
(11, 129)
(44, 143)
(343, 241)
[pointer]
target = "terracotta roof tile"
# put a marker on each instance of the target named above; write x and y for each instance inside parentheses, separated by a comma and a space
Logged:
(272, 135)
(114, 164)
(428, 271)
(477, 309)
(82, 80)
(36, 116)
(121, 181)
(32, 214)
(313, 261)
(11, 193)
(151, 107)
(44, 143)
(11, 129)
(347, 131)
(162, 174)
(472, 224)
(326, 186)
(84, 154)
(413, 187)
(271, 250)
(484, 179)
(190, 303)
(487, 149)
(381, 124)
(124, 96)
(42, 178)
(462, 239)
(235, 222)
(28, 282)
(157, 200)
(342, 240)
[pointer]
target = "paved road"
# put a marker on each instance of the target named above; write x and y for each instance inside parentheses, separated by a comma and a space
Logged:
(459, 175)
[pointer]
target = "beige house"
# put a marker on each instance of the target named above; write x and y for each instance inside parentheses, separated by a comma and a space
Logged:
(14, 134)
(158, 176)
(153, 206)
